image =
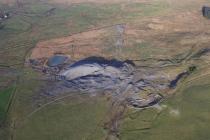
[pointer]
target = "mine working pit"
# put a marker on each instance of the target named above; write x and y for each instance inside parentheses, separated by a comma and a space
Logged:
(94, 75)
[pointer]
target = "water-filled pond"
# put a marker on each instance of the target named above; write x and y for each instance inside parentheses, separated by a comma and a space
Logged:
(56, 60)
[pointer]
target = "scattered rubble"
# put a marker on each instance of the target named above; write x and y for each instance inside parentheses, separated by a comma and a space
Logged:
(151, 100)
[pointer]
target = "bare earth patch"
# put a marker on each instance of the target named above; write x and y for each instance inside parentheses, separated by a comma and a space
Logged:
(78, 45)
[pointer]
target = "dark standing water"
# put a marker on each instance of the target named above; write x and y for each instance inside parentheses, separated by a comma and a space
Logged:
(102, 61)
(174, 82)
(56, 60)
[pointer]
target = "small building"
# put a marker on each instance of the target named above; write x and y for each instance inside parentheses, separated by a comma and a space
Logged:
(206, 11)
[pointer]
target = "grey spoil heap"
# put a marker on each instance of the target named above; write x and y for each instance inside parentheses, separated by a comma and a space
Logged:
(98, 74)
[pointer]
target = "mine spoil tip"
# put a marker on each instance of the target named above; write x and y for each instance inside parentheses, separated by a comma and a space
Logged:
(96, 73)
(97, 66)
